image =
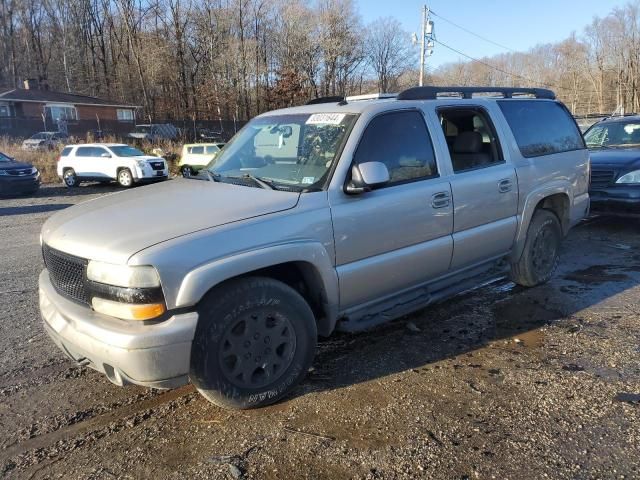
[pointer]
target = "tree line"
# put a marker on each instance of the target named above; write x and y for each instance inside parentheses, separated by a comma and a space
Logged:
(209, 59)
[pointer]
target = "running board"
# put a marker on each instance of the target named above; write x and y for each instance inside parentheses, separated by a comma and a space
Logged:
(390, 308)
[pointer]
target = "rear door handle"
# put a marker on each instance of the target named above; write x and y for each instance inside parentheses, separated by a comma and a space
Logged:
(440, 200)
(505, 185)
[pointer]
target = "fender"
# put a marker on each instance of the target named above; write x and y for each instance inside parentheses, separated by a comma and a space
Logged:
(200, 280)
(532, 200)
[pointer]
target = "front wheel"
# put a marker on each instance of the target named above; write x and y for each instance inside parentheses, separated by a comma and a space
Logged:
(541, 250)
(125, 178)
(255, 340)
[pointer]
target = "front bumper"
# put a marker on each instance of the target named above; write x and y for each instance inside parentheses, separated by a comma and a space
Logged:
(148, 174)
(19, 184)
(152, 355)
(617, 200)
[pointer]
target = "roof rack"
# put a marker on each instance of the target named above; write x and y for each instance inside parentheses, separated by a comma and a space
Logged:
(433, 93)
(334, 99)
(370, 96)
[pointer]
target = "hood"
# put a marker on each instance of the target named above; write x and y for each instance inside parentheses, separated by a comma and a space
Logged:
(114, 227)
(615, 157)
(15, 165)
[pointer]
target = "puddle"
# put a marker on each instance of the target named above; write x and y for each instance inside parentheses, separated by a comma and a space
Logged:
(633, 398)
(522, 319)
(595, 275)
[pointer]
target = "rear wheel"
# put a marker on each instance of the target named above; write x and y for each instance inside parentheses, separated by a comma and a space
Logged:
(70, 178)
(125, 178)
(186, 171)
(255, 340)
(541, 249)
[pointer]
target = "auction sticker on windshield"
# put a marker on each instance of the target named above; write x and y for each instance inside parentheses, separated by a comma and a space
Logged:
(325, 119)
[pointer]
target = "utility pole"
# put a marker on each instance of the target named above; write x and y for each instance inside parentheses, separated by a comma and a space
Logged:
(425, 14)
(426, 41)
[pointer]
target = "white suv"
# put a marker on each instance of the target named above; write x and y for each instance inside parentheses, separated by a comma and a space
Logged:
(109, 161)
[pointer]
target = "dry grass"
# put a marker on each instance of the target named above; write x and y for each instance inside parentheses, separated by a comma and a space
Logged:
(46, 160)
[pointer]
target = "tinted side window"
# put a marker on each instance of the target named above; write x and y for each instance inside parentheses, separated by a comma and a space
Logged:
(211, 149)
(66, 151)
(401, 141)
(541, 127)
(84, 152)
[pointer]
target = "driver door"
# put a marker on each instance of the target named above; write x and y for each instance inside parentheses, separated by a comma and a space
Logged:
(399, 235)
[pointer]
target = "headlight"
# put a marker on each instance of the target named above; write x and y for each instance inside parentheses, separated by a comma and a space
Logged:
(631, 177)
(34, 170)
(127, 311)
(141, 163)
(123, 275)
(3, 172)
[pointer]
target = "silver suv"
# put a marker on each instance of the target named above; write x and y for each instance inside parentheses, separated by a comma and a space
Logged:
(333, 215)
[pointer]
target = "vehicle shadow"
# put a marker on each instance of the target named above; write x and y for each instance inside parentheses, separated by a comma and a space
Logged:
(599, 261)
(50, 207)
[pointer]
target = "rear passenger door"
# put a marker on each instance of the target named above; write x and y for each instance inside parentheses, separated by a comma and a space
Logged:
(396, 236)
(83, 162)
(484, 187)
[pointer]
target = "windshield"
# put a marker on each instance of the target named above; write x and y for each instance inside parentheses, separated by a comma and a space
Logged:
(126, 151)
(614, 135)
(142, 129)
(294, 151)
(41, 136)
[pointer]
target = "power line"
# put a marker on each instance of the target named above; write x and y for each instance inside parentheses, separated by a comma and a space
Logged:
(493, 67)
(473, 33)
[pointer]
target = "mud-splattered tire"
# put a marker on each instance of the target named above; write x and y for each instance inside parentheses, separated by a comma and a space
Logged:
(541, 249)
(255, 340)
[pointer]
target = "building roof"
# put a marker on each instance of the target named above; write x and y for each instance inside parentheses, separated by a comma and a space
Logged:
(50, 96)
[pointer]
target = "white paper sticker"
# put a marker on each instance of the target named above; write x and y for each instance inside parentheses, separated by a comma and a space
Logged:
(325, 119)
(308, 180)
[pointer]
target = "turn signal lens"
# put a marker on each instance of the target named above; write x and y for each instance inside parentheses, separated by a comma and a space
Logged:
(128, 311)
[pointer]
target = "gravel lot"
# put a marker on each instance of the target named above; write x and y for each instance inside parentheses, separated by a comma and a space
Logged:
(501, 382)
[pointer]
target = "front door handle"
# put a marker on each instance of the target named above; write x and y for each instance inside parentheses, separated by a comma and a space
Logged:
(440, 200)
(505, 185)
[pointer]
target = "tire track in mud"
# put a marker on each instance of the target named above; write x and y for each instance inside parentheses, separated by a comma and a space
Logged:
(83, 431)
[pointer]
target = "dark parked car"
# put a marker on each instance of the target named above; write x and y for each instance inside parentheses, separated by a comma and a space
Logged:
(614, 145)
(17, 177)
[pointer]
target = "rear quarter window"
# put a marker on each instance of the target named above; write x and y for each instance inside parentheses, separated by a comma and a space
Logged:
(541, 127)
(66, 151)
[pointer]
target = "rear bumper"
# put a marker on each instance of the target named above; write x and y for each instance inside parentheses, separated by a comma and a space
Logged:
(616, 200)
(155, 355)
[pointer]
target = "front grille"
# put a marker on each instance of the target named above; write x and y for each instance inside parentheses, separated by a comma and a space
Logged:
(601, 178)
(67, 273)
(19, 172)
(157, 165)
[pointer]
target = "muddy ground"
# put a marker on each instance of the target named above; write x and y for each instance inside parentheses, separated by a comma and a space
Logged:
(501, 382)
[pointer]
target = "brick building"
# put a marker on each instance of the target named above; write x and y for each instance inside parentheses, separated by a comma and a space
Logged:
(35, 108)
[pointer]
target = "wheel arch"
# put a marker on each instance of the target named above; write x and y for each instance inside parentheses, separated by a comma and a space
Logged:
(556, 198)
(306, 267)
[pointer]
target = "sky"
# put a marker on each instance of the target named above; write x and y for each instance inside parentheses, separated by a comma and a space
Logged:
(516, 24)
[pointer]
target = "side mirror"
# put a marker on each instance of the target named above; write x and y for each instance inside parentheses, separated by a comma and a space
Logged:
(105, 155)
(366, 176)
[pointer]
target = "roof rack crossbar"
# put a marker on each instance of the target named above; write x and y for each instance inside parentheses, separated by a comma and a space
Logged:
(432, 93)
(333, 99)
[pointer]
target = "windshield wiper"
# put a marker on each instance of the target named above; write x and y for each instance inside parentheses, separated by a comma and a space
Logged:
(213, 177)
(257, 181)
